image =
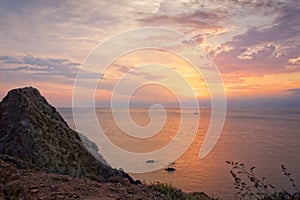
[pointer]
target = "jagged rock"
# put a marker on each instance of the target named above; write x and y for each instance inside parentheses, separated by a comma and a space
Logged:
(32, 130)
(17, 162)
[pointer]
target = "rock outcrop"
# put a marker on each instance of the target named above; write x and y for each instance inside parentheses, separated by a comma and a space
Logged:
(32, 130)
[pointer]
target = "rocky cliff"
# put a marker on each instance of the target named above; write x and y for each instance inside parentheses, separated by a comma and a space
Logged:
(32, 130)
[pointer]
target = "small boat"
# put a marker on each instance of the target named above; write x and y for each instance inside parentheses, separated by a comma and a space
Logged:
(170, 169)
(150, 161)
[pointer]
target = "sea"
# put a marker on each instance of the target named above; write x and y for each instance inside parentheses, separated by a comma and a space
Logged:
(257, 137)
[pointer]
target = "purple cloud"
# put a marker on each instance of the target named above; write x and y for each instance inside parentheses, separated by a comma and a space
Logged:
(264, 50)
(40, 66)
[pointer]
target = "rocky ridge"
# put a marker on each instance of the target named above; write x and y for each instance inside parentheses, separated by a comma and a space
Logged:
(33, 131)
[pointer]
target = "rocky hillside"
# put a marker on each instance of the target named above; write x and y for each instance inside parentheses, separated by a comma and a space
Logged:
(31, 184)
(32, 130)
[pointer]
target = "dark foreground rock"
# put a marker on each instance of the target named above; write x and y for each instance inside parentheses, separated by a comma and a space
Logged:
(32, 130)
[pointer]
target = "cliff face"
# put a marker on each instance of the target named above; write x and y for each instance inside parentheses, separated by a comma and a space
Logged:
(32, 130)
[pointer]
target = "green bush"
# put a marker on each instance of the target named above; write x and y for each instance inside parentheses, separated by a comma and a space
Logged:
(172, 193)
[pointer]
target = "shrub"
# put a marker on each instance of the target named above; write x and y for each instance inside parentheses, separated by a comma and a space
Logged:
(172, 193)
(250, 186)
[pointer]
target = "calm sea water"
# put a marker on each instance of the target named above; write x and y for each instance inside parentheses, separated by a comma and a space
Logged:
(265, 138)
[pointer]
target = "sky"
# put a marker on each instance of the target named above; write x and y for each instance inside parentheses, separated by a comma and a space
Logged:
(255, 45)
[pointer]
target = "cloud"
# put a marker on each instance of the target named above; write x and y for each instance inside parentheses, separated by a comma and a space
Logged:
(284, 29)
(59, 28)
(197, 18)
(140, 6)
(40, 66)
(200, 20)
(266, 60)
(294, 91)
(264, 50)
(265, 41)
(146, 75)
(295, 61)
(10, 60)
(137, 72)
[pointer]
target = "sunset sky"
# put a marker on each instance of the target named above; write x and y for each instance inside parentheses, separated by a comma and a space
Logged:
(254, 43)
